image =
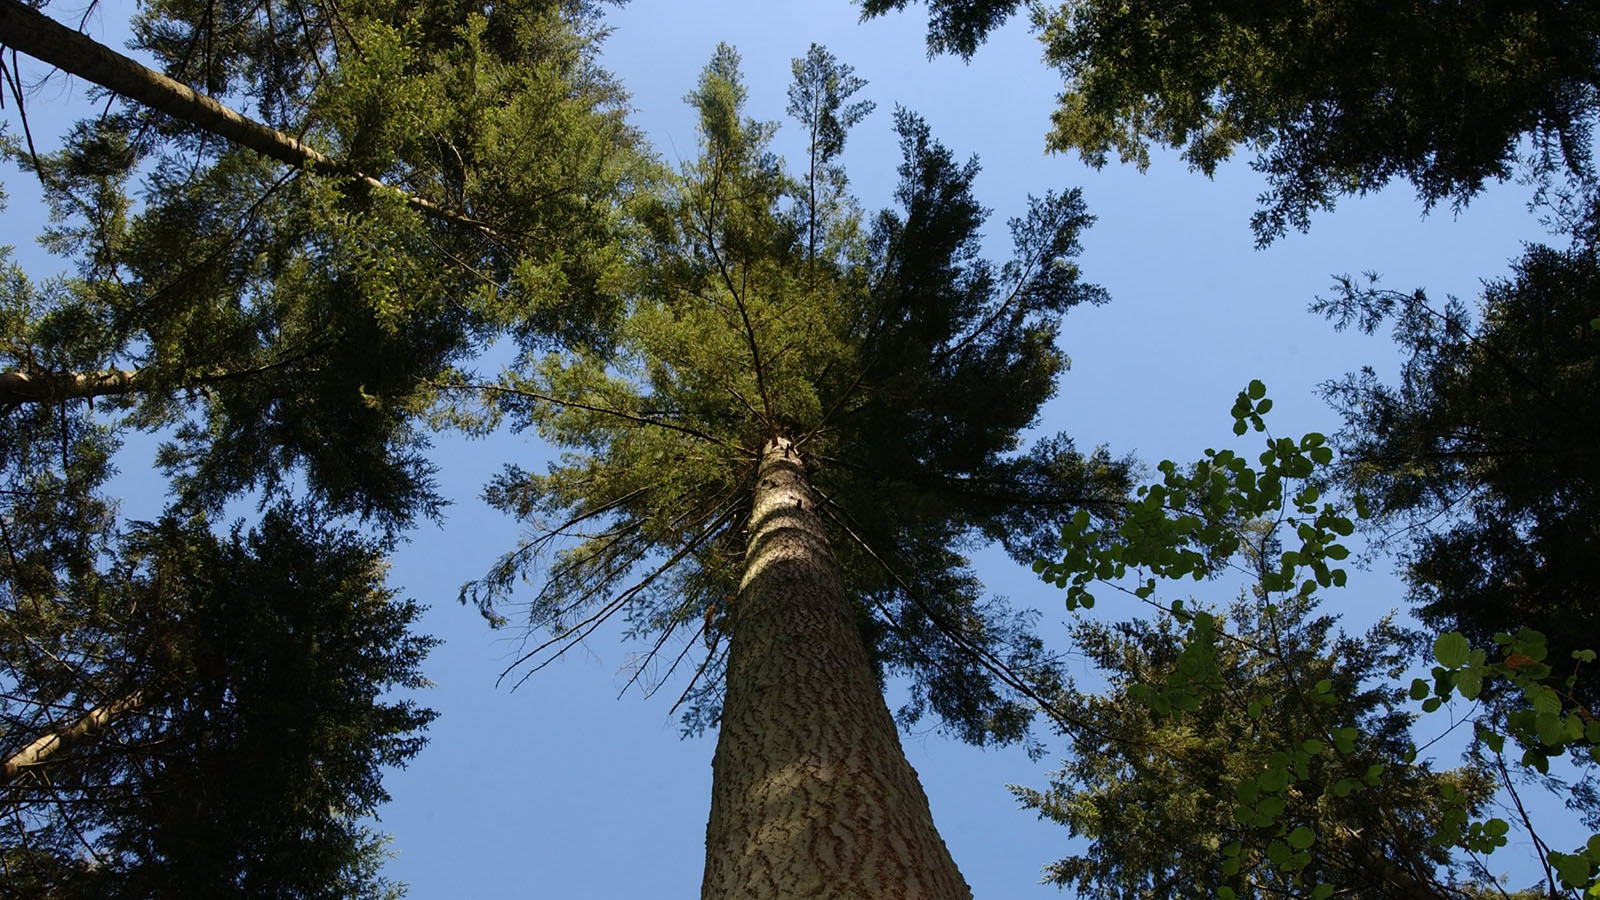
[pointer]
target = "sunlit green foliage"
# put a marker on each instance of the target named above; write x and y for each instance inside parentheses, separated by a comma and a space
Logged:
(901, 363)
(283, 334)
(286, 322)
(817, 101)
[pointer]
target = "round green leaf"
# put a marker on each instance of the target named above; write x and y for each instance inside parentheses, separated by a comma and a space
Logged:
(1451, 649)
(1573, 869)
(1273, 780)
(1548, 727)
(1420, 689)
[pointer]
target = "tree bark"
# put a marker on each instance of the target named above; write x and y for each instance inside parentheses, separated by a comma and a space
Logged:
(42, 748)
(29, 31)
(811, 793)
(23, 387)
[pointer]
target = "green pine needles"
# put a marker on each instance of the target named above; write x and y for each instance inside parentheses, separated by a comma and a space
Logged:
(903, 366)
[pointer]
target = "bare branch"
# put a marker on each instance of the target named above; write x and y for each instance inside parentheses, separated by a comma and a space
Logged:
(17, 388)
(577, 633)
(983, 657)
(738, 300)
(573, 404)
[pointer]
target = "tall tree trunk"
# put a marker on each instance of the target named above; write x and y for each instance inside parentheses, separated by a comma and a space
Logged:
(811, 794)
(29, 31)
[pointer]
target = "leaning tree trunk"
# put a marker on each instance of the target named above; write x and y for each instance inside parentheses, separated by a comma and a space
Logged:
(811, 794)
(40, 750)
(26, 30)
(49, 387)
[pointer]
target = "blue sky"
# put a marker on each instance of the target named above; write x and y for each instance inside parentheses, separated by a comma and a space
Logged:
(562, 789)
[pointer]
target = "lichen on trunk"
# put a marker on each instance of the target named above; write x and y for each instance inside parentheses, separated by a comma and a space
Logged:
(811, 793)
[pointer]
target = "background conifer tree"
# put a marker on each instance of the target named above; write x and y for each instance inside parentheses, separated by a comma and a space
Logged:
(207, 716)
(1334, 97)
(1156, 795)
(204, 714)
(1481, 459)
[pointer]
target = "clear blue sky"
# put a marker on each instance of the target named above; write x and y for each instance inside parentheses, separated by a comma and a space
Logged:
(563, 790)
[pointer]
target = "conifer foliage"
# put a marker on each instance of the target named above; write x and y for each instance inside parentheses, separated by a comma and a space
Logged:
(291, 318)
(1157, 797)
(207, 716)
(901, 364)
(1482, 457)
(189, 708)
(1333, 96)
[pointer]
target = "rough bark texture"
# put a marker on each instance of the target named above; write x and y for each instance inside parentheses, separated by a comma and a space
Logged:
(811, 794)
(26, 30)
(41, 749)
